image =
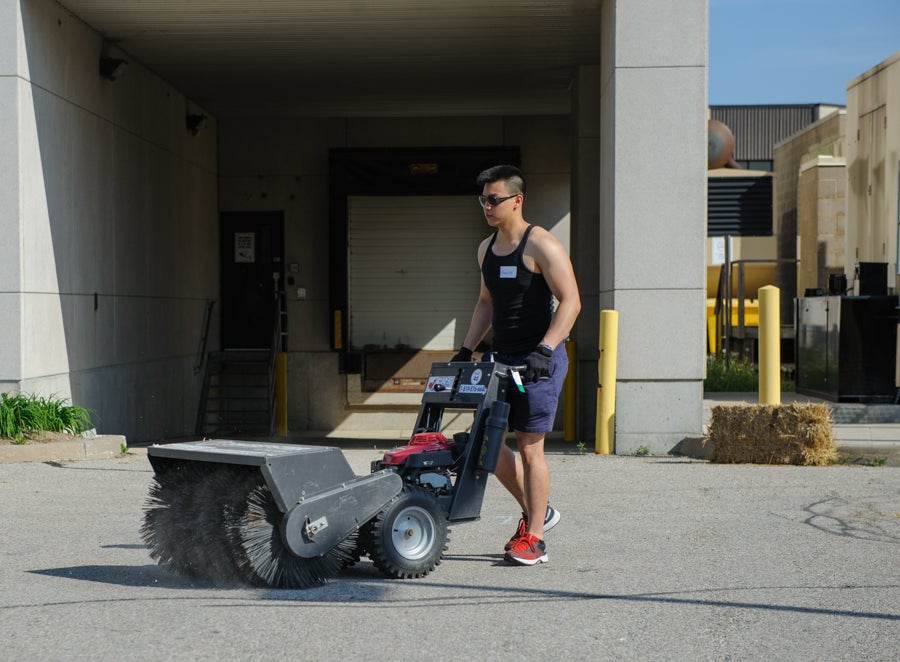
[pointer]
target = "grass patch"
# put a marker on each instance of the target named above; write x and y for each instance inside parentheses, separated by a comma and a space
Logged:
(846, 458)
(22, 416)
(739, 375)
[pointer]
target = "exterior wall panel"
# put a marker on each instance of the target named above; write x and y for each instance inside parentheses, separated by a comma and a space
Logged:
(873, 168)
(117, 208)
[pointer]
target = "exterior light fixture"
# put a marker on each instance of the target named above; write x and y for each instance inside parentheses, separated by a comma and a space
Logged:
(194, 122)
(112, 68)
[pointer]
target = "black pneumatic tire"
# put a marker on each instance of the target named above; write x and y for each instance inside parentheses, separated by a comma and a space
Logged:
(409, 537)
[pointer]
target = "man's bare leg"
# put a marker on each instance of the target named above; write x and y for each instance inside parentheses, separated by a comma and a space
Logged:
(510, 474)
(527, 478)
(536, 479)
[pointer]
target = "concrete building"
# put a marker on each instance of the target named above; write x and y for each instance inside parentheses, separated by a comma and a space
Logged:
(252, 139)
(838, 178)
(761, 133)
(812, 189)
(835, 210)
(873, 170)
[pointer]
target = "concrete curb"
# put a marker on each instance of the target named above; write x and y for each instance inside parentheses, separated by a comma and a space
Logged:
(101, 447)
(700, 448)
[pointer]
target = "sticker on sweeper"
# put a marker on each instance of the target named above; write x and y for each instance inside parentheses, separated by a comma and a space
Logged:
(473, 388)
(442, 383)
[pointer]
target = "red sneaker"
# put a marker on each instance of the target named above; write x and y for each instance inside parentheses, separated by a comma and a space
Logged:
(520, 531)
(550, 520)
(527, 550)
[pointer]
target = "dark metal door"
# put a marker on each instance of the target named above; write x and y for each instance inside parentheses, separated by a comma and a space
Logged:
(252, 264)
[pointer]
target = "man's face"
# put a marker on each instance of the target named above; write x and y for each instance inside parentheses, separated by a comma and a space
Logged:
(498, 204)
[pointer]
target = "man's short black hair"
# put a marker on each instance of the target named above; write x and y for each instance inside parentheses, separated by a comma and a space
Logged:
(515, 180)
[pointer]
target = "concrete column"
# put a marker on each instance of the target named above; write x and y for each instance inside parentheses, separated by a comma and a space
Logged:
(10, 230)
(653, 214)
(585, 249)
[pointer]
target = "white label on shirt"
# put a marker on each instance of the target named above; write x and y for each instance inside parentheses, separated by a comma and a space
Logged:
(508, 272)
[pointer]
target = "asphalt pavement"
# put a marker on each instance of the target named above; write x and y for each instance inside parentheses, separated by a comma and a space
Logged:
(655, 558)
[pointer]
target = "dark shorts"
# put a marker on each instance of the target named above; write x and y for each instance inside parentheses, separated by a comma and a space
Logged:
(535, 410)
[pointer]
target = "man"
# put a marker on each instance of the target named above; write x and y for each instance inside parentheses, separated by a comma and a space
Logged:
(523, 267)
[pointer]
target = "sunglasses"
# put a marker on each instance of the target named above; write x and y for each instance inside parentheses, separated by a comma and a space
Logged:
(492, 199)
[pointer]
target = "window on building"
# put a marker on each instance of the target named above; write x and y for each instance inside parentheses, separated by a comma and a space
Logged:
(759, 165)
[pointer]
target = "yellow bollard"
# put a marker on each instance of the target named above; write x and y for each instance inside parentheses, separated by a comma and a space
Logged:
(337, 341)
(281, 428)
(769, 345)
(570, 387)
(606, 389)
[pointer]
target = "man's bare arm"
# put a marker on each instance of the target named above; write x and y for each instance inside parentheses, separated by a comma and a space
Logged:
(554, 263)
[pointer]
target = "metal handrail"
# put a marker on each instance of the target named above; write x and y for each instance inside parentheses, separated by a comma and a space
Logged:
(204, 337)
(277, 346)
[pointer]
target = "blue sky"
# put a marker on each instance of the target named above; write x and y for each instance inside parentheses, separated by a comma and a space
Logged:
(796, 51)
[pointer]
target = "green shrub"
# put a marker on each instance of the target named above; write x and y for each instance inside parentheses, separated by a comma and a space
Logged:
(740, 375)
(24, 415)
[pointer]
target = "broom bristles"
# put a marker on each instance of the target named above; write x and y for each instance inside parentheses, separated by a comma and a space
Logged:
(184, 520)
(263, 554)
(220, 524)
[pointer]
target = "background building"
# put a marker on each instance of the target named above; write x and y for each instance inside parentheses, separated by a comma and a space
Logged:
(873, 170)
(834, 230)
(758, 131)
(812, 176)
(151, 212)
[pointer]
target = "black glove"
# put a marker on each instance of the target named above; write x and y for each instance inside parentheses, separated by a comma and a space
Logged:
(464, 354)
(537, 364)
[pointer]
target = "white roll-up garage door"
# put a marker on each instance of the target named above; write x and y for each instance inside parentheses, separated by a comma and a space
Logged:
(413, 270)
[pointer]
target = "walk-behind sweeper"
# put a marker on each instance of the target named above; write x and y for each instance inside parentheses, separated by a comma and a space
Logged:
(293, 516)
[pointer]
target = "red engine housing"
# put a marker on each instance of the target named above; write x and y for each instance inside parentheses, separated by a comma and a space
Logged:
(420, 443)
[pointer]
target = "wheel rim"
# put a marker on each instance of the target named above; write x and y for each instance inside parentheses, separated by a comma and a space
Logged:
(413, 533)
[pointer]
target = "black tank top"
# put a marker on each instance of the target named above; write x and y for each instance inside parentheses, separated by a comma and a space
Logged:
(522, 299)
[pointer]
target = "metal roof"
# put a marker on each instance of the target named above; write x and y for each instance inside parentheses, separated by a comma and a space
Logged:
(757, 129)
(358, 57)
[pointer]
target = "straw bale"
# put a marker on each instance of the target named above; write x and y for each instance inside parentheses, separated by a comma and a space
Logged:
(796, 433)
